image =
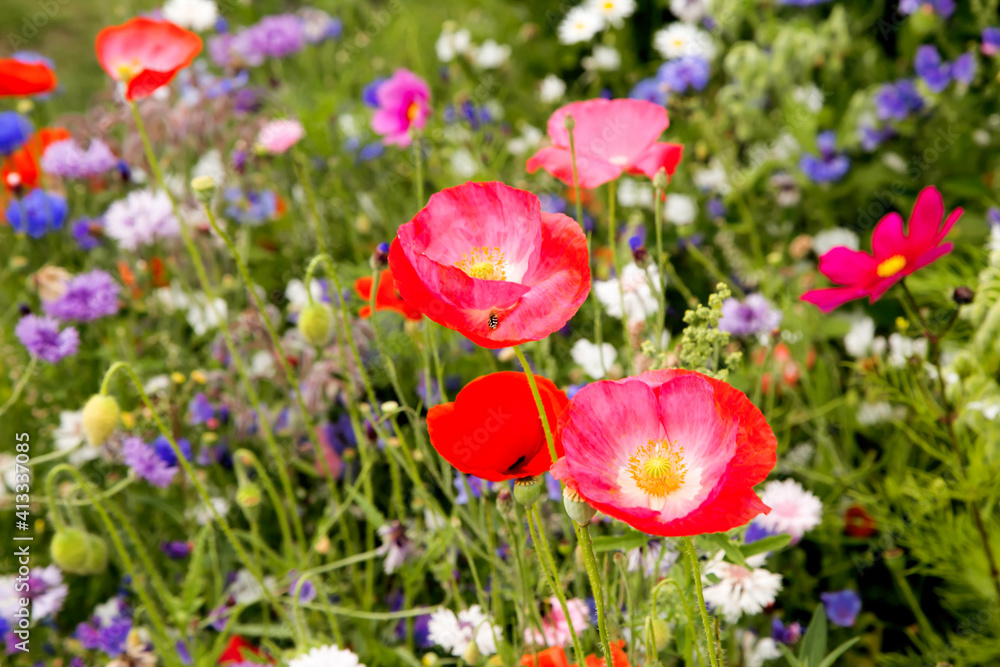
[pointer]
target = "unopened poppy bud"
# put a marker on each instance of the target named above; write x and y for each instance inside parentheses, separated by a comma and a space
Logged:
(657, 633)
(660, 180)
(505, 502)
(316, 324)
(69, 550)
(380, 258)
(100, 417)
(963, 295)
(569, 123)
(471, 653)
(527, 490)
(204, 187)
(248, 495)
(429, 660)
(97, 555)
(576, 507)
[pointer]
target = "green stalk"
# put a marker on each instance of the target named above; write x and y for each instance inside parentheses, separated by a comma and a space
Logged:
(613, 247)
(596, 586)
(661, 270)
(696, 571)
(538, 403)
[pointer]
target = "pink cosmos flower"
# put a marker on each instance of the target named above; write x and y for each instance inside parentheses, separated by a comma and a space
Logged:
(611, 137)
(277, 136)
(669, 452)
(484, 260)
(403, 102)
(894, 255)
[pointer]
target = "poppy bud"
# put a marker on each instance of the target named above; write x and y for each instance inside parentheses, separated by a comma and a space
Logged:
(380, 258)
(248, 495)
(316, 324)
(657, 633)
(97, 555)
(70, 550)
(505, 502)
(963, 295)
(100, 417)
(569, 123)
(576, 507)
(471, 654)
(527, 490)
(660, 180)
(204, 188)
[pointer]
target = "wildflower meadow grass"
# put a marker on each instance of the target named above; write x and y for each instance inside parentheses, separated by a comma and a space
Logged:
(601, 332)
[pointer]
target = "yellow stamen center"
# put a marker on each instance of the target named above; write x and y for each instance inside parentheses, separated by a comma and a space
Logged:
(658, 468)
(412, 111)
(483, 263)
(891, 266)
(609, 5)
(128, 71)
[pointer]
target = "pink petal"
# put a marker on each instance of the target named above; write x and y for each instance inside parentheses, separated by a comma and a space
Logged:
(848, 267)
(931, 256)
(692, 421)
(660, 154)
(925, 220)
(888, 239)
(832, 298)
(949, 223)
(556, 160)
(617, 131)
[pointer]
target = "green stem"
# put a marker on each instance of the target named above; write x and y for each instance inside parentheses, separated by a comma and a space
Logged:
(22, 382)
(538, 403)
(596, 586)
(616, 261)
(661, 295)
(418, 160)
(576, 176)
(696, 571)
(248, 457)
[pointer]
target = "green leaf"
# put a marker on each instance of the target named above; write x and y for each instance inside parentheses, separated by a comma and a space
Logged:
(733, 553)
(770, 543)
(371, 512)
(814, 641)
(789, 656)
(837, 652)
(630, 540)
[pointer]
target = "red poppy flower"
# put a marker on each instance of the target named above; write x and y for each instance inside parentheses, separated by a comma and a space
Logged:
(556, 657)
(894, 254)
(20, 77)
(484, 260)
(611, 137)
(859, 523)
(669, 452)
(21, 169)
(145, 53)
(386, 298)
(492, 429)
(237, 650)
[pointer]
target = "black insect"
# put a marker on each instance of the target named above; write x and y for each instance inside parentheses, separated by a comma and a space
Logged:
(493, 320)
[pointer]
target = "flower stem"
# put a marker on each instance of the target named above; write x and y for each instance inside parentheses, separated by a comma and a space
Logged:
(596, 586)
(661, 295)
(19, 387)
(418, 160)
(616, 261)
(538, 403)
(696, 571)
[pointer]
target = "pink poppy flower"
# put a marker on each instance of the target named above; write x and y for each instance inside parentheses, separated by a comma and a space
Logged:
(484, 260)
(669, 452)
(403, 102)
(277, 136)
(894, 255)
(145, 54)
(611, 137)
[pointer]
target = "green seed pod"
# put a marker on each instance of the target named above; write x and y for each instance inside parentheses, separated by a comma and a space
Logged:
(70, 550)
(576, 507)
(100, 417)
(316, 324)
(527, 490)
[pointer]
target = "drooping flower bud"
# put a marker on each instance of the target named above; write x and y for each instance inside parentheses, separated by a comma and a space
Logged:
(248, 495)
(97, 555)
(657, 633)
(70, 550)
(316, 324)
(100, 417)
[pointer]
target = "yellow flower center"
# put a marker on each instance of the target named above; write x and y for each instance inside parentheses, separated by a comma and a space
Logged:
(658, 468)
(891, 266)
(412, 111)
(483, 263)
(128, 71)
(609, 6)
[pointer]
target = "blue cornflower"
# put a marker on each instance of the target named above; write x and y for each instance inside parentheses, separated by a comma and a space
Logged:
(963, 68)
(87, 232)
(684, 73)
(15, 129)
(829, 166)
(37, 213)
(991, 41)
(651, 90)
(785, 634)
(371, 151)
(842, 607)
(896, 101)
(929, 66)
(166, 453)
(369, 93)
(944, 8)
(200, 409)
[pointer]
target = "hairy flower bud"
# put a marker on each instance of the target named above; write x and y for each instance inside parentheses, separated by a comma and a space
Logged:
(316, 324)
(204, 188)
(97, 555)
(70, 550)
(100, 417)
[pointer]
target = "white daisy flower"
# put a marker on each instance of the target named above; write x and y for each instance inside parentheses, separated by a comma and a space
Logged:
(326, 656)
(859, 339)
(680, 209)
(491, 55)
(690, 11)
(530, 137)
(588, 356)
(203, 316)
(246, 590)
(551, 89)
(640, 299)
(632, 193)
(580, 25)
(740, 590)
(681, 39)
(452, 43)
(828, 239)
(604, 59)
(902, 349)
(463, 164)
(197, 15)
(455, 633)
(613, 12)
(793, 509)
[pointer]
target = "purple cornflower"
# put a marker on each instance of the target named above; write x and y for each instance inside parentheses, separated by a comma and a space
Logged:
(276, 36)
(107, 634)
(476, 486)
(368, 93)
(943, 7)
(87, 232)
(652, 90)
(785, 634)
(842, 607)
(716, 208)
(200, 409)
(896, 101)
(755, 315)
(963, 68)
(318, 26)
(88, 296)
(42, 338)
(756, 532)
(991, 41)
(872, 137)
(146, 463)
(176, 550)
(929, 66)
(37, 213)
(307, 593)
(802, 3)
(46, 591)
(829, 166)
(250, 208)
(65, 158)
(684, 73)
(371, 151)
(15, 129)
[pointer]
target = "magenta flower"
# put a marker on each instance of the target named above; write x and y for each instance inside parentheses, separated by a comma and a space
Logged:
(403, 102)
(894, 255)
